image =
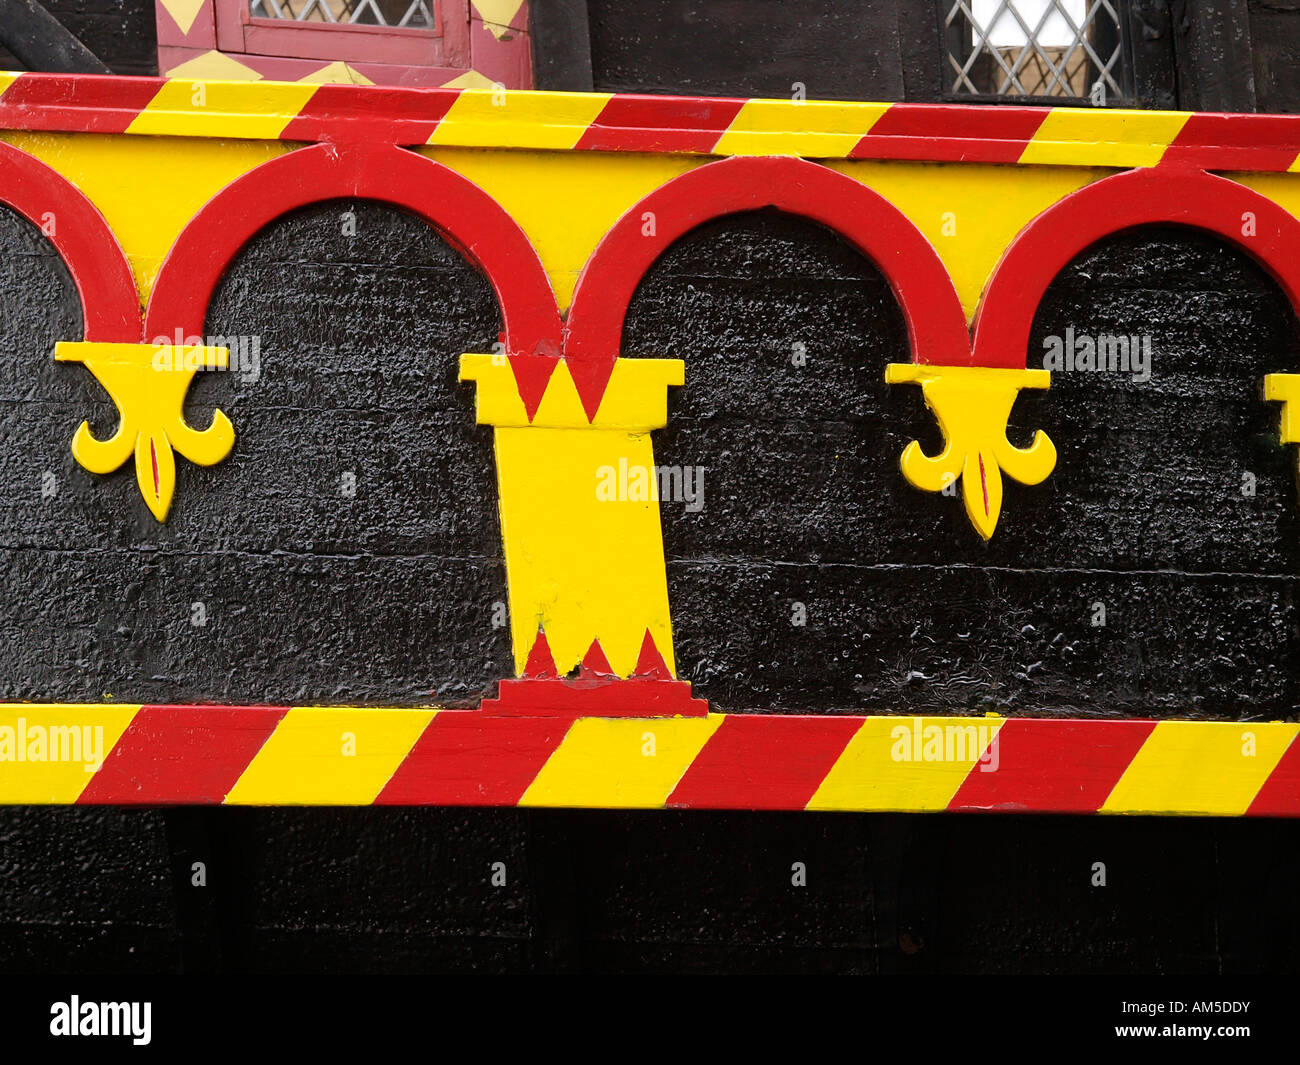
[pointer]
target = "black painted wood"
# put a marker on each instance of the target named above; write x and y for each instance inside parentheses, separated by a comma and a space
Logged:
(381, 890)
(561, 45)
(358, 337)
(1215, 48)
(921, 50)
(1149, 49)
(120, 32)
(747, 48)
(41, 42)
(1275, 45)
(907, 610)
(305, 593)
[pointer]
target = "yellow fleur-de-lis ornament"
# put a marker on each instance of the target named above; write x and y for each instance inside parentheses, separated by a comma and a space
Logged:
(148, 382)
(972, 405)
(1284, 388)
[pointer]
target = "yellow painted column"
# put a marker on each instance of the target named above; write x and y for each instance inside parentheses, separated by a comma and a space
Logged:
(579, 506)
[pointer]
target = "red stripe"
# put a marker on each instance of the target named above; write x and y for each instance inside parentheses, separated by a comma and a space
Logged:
(951, 132)
(468, 758)
(941, 132)
(763, 762)
(80, 102)
(660, 124)
(1280, 795)
(1053, 766)
(182, 754)
(1236, 142)
(398, 116)
(109, 301)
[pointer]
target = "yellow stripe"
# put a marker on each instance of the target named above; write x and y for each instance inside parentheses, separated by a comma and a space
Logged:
(133, 182)
(584, 550)
(340, 756)
(620, 763)
(44, 733)
(1097, 137)
(635, 399)
(584, 559)
(247, 109)
(6, 79)
(813, 129)
(880, 768)
(484, 118)
(1200, 767)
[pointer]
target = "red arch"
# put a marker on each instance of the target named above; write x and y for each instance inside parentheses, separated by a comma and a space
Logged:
(925, 292)
(474, 222)
(1138, 197)
(110, 305)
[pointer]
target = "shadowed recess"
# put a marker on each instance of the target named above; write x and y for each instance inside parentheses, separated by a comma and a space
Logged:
(360, 557)
(806, 517)
(347, 551)
(61, 628)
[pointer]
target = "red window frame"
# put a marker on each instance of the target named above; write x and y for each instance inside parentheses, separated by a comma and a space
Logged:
(446, 44)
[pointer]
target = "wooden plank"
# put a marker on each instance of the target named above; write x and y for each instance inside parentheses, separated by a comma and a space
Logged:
(41, 42)
(561, 40)
(1215, 63)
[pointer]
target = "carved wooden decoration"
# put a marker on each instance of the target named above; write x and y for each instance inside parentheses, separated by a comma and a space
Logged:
(563, 202)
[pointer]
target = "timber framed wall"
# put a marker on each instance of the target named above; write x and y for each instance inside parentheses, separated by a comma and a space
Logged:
(567, 212)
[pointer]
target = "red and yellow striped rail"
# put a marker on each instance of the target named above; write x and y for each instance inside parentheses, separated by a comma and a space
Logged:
(605, 122)
(262, 755)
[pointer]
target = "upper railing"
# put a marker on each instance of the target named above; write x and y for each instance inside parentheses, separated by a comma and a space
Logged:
(1063, 136)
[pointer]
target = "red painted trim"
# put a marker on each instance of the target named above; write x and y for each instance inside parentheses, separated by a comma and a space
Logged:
(282, 69)
(474, 222)
(383, 115)
(57, 101)
(951, 132)
(229, 17)
(764, 762)
(465, 758)
(1039, 766)
(596, 691)
(76, 103)
(202, 34)
(933, 132)
(921, 284)
(509, 60)
(1280, 795)
(196, 754)
(445, 44)
(1138, 197)
(660, 124)
(1221, 142)
(593, 694)
(351, 44)
(109, 301)
(182, 754)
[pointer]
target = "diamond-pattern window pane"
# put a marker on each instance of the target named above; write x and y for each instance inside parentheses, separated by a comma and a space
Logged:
(411, 14)
(1054, 48)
